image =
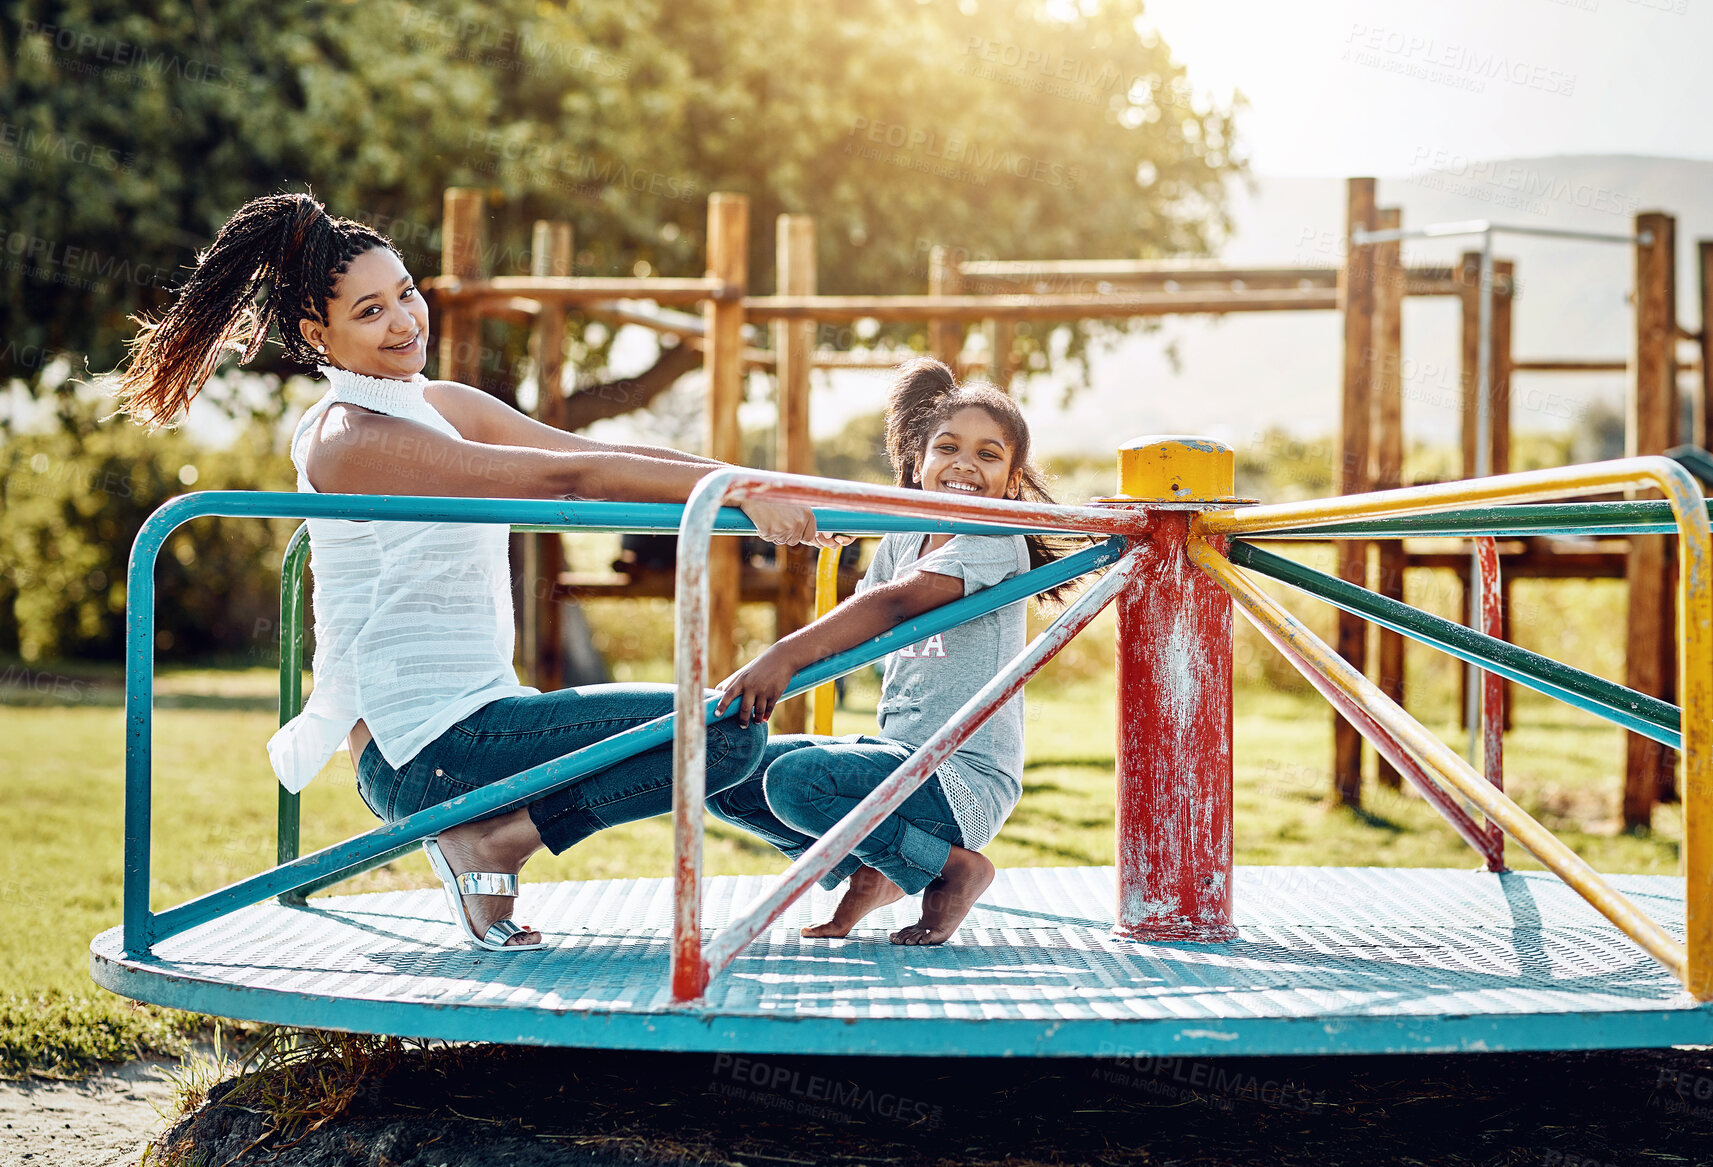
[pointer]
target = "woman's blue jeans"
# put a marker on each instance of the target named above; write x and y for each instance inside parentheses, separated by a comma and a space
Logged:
(512, 734)
(805, 784)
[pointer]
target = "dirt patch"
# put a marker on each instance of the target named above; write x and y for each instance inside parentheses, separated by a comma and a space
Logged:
(482, 1106)
(100, 1121)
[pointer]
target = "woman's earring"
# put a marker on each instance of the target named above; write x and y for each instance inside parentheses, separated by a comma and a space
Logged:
(320, 348)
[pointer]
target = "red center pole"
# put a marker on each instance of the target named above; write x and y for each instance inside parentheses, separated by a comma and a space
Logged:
(1174, 746)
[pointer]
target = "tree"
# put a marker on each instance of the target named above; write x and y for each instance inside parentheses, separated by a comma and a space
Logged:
(1035, 130)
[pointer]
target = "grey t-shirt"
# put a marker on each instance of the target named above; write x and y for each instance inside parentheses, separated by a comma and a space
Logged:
(926, 683)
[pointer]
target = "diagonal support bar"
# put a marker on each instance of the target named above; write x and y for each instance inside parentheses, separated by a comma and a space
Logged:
(1646, 715)
(856, 826)
(1389, 748)
(1457, 773)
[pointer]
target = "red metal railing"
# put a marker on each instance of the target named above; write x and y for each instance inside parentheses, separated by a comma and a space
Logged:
(1492, 691)
(692, 964)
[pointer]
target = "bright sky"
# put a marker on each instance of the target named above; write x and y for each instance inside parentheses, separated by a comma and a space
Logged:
(1339, 87)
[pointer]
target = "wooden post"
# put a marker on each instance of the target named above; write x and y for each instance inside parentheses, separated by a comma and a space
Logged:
(945, 337)
(550, 255)
(794, 346)
(1356, 295)
(544, 554)
(1389, 447)
(1001, 334)
(1469, 359)
(461, 250)
(1700, 436)
(728, 260)
(1652, 429)
(1499, 375)
(1499, 381)
(1468, 384)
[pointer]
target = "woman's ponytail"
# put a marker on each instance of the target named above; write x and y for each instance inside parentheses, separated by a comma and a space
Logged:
(285, 249)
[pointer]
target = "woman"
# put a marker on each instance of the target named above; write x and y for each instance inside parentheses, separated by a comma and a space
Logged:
(413, 621)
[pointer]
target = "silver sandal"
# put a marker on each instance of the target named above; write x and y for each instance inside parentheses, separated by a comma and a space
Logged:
(478, 883)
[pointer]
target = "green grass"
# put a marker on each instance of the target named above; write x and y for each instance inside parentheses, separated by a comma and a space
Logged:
(62, 804)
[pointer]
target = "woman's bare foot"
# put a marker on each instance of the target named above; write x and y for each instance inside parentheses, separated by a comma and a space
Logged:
(868, 890)
(947, 900)
(500, 844)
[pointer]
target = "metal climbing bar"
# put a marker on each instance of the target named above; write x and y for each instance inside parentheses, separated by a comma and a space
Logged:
(689, 960)
(1695, 617)
(1649, 716)
(1321, 659)
(1490, 597)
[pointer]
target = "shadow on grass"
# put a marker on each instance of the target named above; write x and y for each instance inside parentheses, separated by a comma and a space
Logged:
(114, 698)
(1367, 818)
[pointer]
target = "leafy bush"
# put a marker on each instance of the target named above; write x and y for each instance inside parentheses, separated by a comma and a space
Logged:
(71, 503)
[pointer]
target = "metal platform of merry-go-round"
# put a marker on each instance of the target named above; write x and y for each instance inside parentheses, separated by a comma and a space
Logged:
(1172, 951)
(1326, 960)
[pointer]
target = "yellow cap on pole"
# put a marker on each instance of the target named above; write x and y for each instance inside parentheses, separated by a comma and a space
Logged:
(1176, 469)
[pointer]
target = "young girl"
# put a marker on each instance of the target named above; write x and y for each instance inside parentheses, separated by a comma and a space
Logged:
(940, 437)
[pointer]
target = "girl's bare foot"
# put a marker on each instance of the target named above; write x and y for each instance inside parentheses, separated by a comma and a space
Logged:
(947, 900)
(868, 890)
(500, 844)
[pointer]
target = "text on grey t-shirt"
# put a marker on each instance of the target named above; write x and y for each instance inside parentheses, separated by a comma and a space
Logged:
(926, 683)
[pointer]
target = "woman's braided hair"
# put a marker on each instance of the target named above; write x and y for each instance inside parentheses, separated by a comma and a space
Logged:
(286, 245)
(924, 393)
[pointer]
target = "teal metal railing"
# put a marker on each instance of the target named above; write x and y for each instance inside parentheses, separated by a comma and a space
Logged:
(296, 876)
(1648, 716)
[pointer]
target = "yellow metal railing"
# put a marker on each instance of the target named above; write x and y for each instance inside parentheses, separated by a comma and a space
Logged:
(1692, 962)
(826, 599)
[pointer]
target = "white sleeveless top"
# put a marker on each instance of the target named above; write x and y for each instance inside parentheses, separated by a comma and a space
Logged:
(413, 621)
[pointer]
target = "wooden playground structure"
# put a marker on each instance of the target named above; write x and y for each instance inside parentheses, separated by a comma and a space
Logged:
(1367, 285)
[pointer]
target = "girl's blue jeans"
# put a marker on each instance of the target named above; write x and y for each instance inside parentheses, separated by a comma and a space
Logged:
(512, 734)
(805, 784)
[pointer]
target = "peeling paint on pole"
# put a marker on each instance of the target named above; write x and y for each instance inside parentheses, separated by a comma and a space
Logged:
(1174, 745)
(1492, 690)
